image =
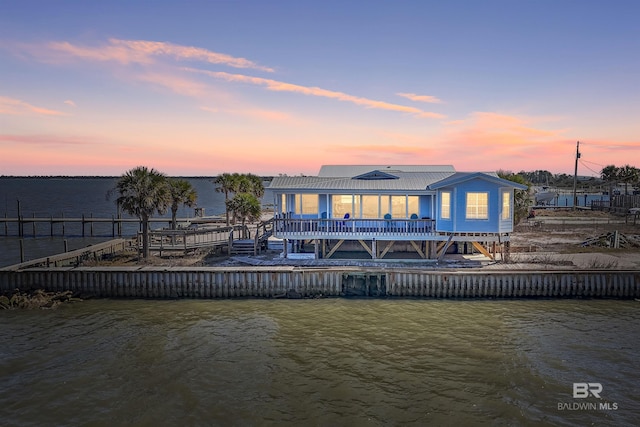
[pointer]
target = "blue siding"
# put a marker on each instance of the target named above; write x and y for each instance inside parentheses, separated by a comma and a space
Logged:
(425, 207)
(459, 223)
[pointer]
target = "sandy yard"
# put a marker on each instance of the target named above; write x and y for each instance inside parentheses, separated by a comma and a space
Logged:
(554, 239)
(581, 239)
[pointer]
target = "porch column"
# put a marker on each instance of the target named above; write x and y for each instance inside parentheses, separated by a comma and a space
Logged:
(374, 249)
(284, 247)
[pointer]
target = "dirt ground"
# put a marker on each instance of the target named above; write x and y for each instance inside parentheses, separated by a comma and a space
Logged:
(582, 239)
(554, 239)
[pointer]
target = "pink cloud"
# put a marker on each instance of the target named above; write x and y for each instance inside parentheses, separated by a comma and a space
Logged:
(421, 98)
(176, 84)
(279, 86)
(44, 140)
(143, 52)
(268, 115)
(11, 106)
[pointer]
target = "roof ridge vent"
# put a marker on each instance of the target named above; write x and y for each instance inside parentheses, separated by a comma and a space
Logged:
(375, 175)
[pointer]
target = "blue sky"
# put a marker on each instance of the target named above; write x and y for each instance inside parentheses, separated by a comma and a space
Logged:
(199, 88)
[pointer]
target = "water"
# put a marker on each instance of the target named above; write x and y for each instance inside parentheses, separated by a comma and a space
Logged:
(566, 199)
(72, 198)
(333, 362)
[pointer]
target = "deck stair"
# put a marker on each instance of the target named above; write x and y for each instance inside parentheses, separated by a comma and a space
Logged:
(253, 246)
(243, 247)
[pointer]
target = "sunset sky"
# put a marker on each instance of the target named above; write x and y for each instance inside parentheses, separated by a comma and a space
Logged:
(283, 87)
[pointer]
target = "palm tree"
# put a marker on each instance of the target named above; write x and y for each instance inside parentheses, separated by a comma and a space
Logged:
(254, 185)
(610, 174)
(245, 206)
(142, 192)
(226, 183)
(181, 192)
(629, 174)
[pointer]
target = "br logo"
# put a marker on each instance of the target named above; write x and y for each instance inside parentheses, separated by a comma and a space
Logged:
(584, 390)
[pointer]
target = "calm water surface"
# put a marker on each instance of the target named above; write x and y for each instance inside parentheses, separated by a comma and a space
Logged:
(332, 362)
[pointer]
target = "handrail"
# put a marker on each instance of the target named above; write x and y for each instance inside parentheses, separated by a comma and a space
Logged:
(326, 226)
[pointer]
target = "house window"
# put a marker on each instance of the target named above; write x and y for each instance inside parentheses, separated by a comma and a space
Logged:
(283, 207)
(385, 205)
(306, 204)
(477, 205)
(399, 206)
(506, 205)
(341, 205)
(370, 206)
(413, 202)
(445, 205)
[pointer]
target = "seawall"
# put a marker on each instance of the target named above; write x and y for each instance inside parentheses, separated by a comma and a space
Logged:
(297, 282)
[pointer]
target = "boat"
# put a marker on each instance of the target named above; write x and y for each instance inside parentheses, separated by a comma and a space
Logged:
(544, 196)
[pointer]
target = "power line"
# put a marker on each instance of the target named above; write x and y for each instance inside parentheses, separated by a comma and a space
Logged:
(582, 163)
(593, 163)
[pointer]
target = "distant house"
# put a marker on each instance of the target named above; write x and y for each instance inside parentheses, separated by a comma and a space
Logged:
(427, 210)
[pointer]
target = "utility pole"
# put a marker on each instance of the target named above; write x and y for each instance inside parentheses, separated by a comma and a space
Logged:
(575, 177)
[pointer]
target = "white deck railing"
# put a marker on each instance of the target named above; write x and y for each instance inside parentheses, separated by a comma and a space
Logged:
(318, 228)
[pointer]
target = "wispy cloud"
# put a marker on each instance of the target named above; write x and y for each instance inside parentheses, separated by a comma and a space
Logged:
(44, 140)
(143, 52)
(70, 103)
(420, 98)
(176, 84)
(12, 106)
(610, 145)
(384, 150)
(267, 115)
(503, 141)
(493, 129)
(157, 69)
(279, 86)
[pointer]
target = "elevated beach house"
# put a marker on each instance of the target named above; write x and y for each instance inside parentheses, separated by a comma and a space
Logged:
(394, 211)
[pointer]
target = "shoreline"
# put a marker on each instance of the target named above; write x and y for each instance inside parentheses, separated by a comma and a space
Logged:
(314, 282)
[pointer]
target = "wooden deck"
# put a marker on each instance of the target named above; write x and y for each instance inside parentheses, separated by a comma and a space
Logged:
(237, 238)
(378, 236)
(358, 229)
(373, 229)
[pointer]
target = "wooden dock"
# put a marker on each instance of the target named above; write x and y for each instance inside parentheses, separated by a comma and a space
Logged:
(57, 225)
(76, 257)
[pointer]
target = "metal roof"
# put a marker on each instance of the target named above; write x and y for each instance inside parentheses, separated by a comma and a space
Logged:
(407, 181)
(459, 177)
(336, 171)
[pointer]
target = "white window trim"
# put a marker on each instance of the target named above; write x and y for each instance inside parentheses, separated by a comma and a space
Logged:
(504, 217)
(442, 216)
(466, 210)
